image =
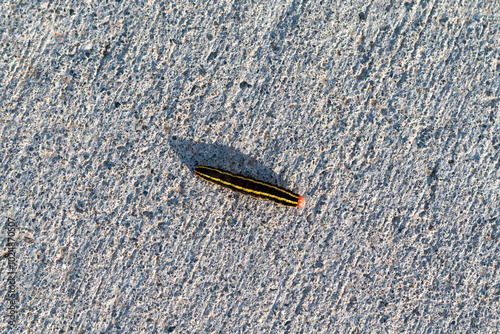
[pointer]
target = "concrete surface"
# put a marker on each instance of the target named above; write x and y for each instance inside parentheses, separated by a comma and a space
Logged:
(383, 114)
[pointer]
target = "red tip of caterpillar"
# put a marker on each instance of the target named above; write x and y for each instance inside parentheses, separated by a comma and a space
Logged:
(301, 201)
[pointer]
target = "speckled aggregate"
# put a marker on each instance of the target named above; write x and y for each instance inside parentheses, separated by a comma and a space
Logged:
(384, 115)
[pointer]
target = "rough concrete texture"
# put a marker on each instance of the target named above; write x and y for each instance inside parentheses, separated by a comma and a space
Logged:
(383, 114)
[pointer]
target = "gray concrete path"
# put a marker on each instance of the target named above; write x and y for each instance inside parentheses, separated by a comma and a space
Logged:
(383, 114)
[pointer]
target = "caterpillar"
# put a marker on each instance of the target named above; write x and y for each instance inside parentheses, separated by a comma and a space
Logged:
(248, 185)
